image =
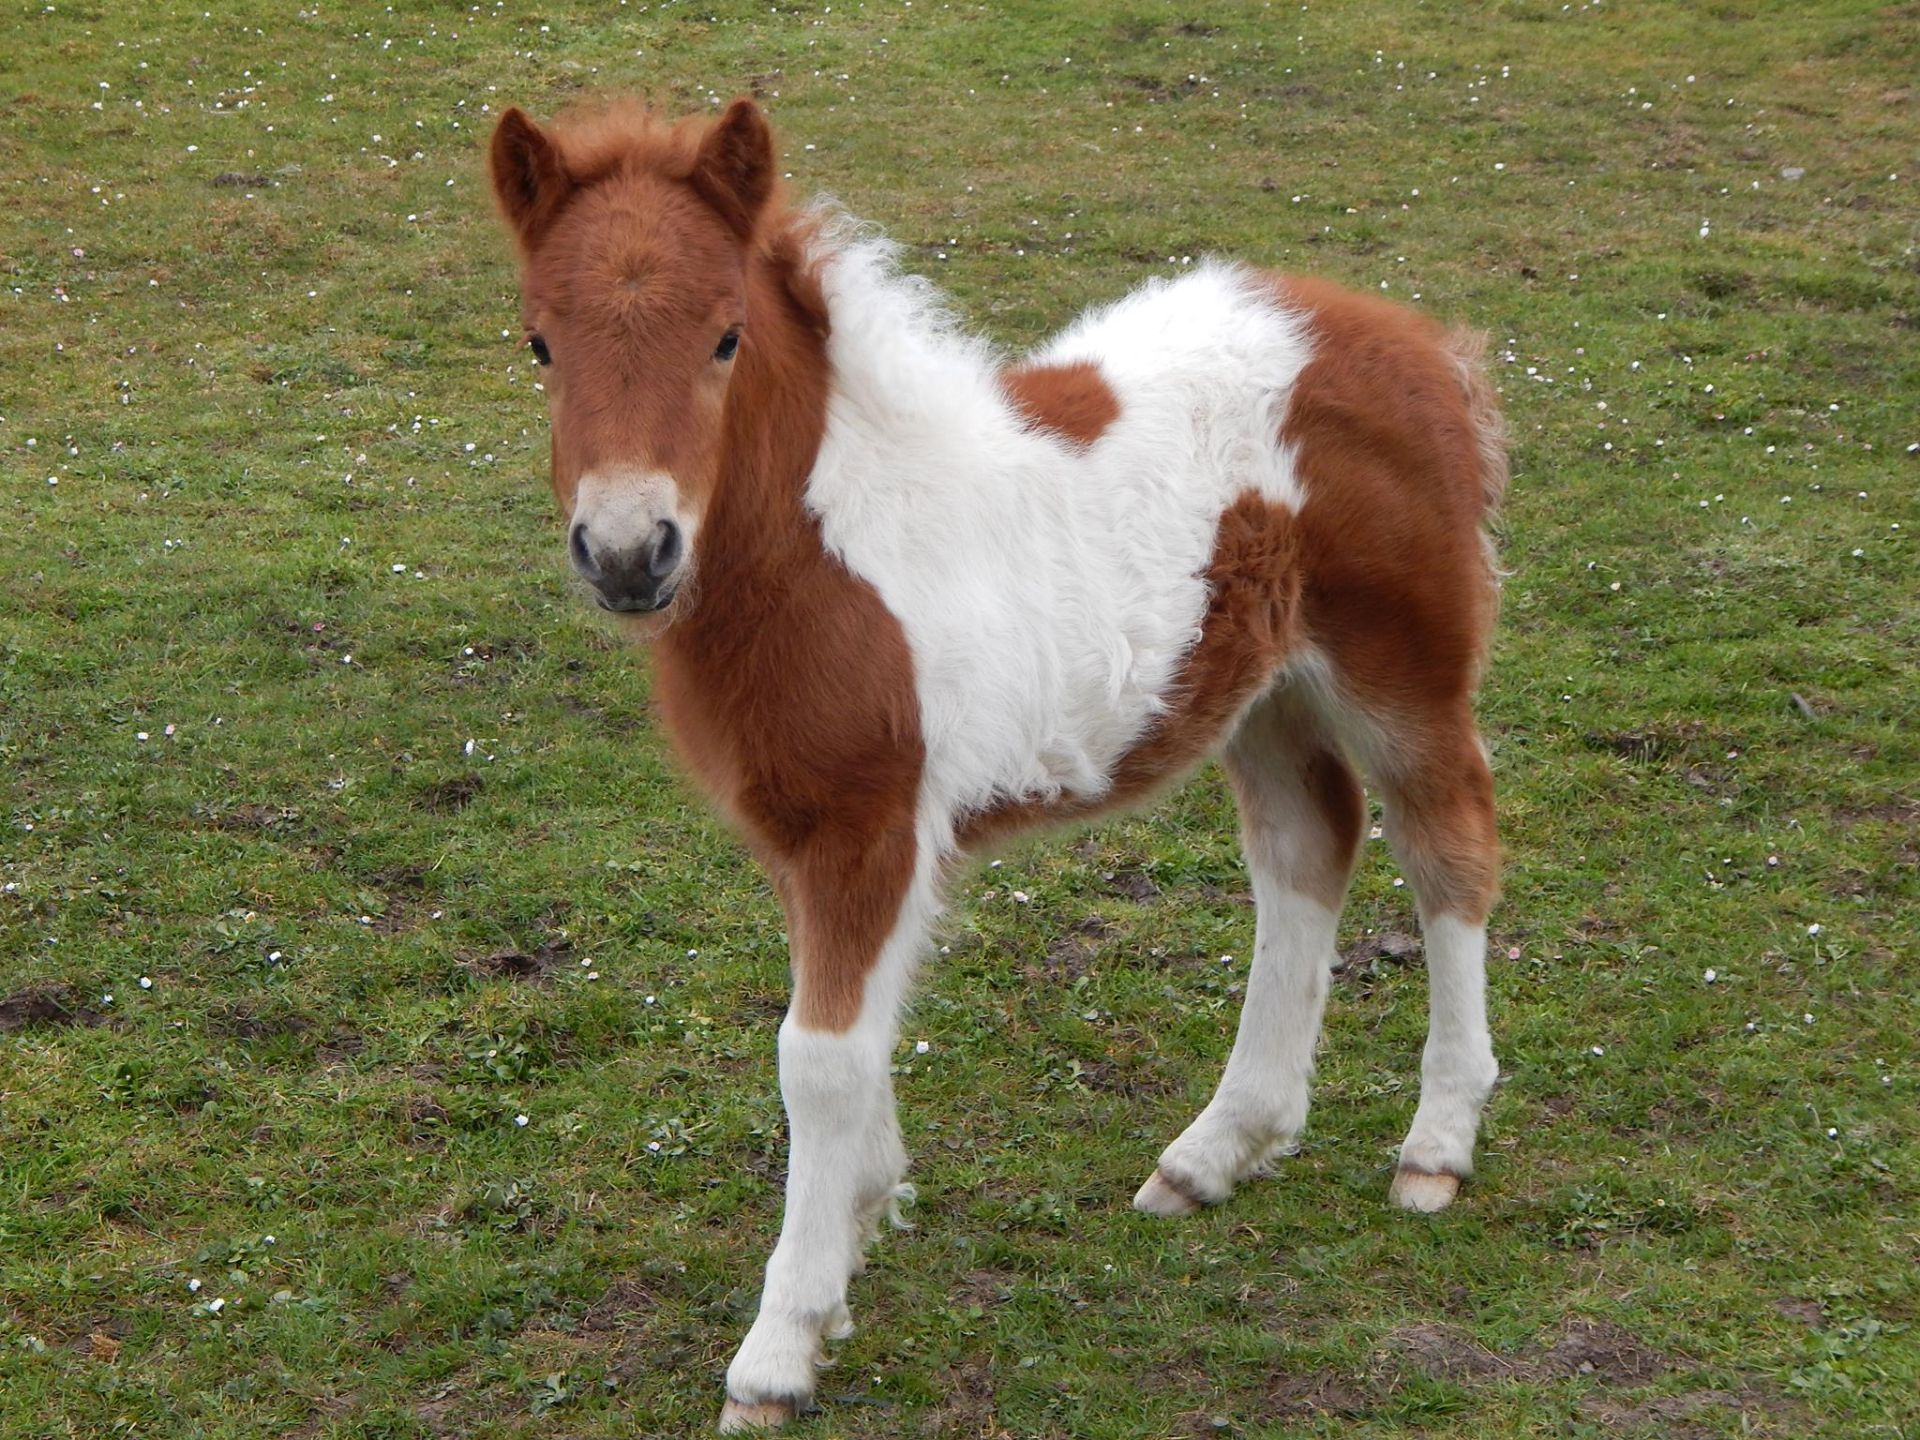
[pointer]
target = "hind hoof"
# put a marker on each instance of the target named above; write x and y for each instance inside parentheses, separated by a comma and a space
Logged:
(1425, 1191)
(1160, 1196)
(739, 1416)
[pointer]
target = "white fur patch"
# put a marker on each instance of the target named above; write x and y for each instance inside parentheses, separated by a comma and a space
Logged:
(1049, 592)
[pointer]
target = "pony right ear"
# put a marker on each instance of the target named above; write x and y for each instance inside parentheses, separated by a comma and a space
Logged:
(530, 180)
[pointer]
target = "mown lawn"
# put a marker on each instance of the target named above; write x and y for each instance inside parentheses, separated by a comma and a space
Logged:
(386, 1031)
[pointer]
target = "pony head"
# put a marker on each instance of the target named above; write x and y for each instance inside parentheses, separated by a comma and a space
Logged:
(634, 238)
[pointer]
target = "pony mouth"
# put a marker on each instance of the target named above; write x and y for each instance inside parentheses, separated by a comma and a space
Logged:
(637, 607)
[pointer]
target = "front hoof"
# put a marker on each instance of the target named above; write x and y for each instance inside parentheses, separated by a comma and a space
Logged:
(1425, 1191)
(737, 1416)
(1160, 1196)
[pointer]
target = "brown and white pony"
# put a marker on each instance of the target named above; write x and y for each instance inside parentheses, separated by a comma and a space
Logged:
(907, 599)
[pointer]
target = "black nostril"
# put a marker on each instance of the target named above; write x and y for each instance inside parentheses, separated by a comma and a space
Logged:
(667, 545)
(577, 548)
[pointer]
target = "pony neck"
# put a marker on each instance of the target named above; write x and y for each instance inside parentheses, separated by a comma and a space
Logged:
(756, 535)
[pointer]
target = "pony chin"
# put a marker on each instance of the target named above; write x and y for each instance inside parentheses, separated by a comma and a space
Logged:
(643, 628)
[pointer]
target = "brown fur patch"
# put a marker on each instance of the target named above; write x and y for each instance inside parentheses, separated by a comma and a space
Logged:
(1397, 590)
(1072, 401)
(1398, 444)
(1440, 818)
(1253, 584)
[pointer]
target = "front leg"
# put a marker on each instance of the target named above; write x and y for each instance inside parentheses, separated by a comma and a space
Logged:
(844, 1172)
(846, 1162)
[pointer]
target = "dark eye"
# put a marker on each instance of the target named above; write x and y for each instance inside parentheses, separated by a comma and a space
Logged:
(729, 343)
(541, 355)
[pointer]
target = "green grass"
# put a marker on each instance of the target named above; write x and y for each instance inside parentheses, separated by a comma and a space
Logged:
(258, 324)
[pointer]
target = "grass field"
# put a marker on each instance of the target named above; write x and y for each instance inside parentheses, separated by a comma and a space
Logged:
(386, 1031)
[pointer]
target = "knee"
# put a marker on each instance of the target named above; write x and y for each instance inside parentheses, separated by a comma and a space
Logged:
(825, 1071)
(1461, 880)
(1450, 851)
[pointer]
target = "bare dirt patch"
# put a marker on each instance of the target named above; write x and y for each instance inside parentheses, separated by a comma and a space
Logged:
(1613, 1355)
(627, 1303)
(548, 956)
(1657, 743)
(426, 1121)
(1449, 1353)
(967, 1403)
(1134, 884)
(1290, 1396)
(1072, 954)
(46, 1005)
(1807, 1312)
(254, 819)
(1594, 1348)
(453, 1411)
(985, 1288)
(1371, 953)
(1666, 1415)
(450, 796)
(1894, 810)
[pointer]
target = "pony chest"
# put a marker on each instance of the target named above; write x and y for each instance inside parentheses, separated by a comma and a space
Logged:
(805, 723)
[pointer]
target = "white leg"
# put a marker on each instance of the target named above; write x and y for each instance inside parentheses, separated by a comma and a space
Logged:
(1262, 1100)
(845, 1169)
(1301, 811)
(1441, 822)
(1458, 1070)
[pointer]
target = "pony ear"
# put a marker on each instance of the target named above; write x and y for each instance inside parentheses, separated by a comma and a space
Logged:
(734, 169)
(530, 180)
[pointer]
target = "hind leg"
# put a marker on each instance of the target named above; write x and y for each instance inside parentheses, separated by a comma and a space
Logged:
(1301, 815)
(1440, 822)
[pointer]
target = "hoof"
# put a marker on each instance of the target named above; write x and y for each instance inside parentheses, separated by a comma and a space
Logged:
(1160, 1196)
(738, 1416)
(1423, 1190)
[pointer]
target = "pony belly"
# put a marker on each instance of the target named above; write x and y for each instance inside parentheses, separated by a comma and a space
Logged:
(1247, 633)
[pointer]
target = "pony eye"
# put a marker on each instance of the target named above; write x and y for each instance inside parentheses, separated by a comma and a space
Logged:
(541, 355)
(729, 343)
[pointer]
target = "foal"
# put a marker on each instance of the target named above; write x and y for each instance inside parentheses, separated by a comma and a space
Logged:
(906, 601)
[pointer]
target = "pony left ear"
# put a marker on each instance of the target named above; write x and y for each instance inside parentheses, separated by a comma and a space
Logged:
(734, 169)
(530, 179)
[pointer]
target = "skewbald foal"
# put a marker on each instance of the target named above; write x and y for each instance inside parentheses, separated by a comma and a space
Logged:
(907, 600)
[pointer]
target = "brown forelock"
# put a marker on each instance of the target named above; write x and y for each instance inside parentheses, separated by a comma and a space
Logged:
(1398, 593)
(632, 280)
(1253, 586)
(1072, 401)
(786, 683)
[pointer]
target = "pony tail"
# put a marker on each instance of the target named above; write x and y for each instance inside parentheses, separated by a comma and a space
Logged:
(1468, 351)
